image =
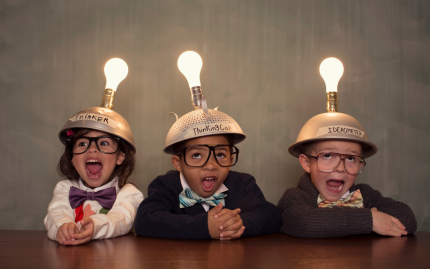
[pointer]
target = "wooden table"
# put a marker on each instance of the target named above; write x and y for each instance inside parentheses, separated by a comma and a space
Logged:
(32, 249)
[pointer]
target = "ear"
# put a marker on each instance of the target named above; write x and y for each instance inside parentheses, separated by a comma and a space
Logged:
(120, 158)
(176, 161)
(304, 161)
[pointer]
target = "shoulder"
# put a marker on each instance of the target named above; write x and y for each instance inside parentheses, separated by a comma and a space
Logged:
(241, 177)
(292, 194)
(365, 189)
(170, 180)
(129, 189)
(64, 185)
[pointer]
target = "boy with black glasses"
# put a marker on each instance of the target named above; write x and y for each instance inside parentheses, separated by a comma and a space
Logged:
(331, 148)
(203, 199)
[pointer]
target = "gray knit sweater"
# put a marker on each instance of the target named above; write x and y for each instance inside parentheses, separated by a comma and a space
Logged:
(302, 217)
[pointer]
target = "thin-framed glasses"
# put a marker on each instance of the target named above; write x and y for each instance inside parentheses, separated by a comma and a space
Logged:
(328, 162)
(107, 144)
(198, 155)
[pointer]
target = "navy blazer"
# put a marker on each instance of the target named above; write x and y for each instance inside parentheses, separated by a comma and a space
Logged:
(159, 214)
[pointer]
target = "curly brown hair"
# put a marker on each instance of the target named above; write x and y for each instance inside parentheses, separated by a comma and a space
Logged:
(66, 169)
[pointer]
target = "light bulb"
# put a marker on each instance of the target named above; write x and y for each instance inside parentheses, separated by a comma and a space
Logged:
(190, 64)
(115, 70)
(331, 70)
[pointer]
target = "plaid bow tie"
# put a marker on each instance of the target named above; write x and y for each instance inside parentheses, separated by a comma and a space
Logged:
(105, 197)
(188, 198)
(354, 199)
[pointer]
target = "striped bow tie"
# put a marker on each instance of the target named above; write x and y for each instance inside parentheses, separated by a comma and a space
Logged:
(354, 199)
(188, 198)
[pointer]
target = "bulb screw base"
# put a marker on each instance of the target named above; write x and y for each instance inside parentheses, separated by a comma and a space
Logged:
(332, 104)
(196, 97)
(108, 97)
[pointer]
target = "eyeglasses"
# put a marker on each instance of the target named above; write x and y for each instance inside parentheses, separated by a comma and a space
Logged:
(106, 144)
(198, 155)
(328, 162)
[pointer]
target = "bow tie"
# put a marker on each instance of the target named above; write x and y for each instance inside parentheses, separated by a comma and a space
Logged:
(354, 199)
(188, 198)
(105, 197)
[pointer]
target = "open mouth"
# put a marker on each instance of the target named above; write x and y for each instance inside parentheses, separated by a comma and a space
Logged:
(335, 186)
(208, 183)
(93, 168)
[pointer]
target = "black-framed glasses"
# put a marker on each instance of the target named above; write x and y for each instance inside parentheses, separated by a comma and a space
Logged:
(328, 162)
(198, 155)
(107, 144)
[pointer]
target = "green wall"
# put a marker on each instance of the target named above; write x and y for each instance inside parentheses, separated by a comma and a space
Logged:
(260, 65)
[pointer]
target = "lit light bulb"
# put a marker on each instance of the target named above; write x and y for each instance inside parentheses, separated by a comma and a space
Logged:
(331, 70)
(115, 70)
(190, 64)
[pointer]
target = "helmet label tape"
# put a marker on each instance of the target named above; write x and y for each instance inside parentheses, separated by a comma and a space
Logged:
(339, 129)
(95, 117)
(209, 129)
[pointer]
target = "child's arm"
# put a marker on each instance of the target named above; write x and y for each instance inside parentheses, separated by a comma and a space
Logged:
(258, 215)
(302, 217)
(119, 220)
(59, 210)
(156, 216)
(398, 210)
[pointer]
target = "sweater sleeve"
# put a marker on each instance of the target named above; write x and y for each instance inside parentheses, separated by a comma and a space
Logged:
(258, 215)
(302, 219)
(119, 220)
(399, 210)
(156, 216)
(59, 210)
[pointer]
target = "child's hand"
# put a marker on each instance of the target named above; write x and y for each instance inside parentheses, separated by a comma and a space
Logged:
(385, 224)
(66, 233)
(233, 227)
(216, 220)
(85, 234)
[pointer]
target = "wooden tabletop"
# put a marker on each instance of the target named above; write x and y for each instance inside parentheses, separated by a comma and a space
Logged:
(32, 249)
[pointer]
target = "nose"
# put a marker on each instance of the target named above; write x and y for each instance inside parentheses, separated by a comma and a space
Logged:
(341, 166)
(211, 164)
(92, 147)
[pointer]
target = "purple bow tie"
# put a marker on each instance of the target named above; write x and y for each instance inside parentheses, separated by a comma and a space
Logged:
(105, 197)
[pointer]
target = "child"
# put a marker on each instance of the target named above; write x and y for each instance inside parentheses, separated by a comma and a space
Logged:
(203, 199)
(331, 148)
(95, 201)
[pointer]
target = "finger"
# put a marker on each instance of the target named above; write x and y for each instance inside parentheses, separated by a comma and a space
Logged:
(79, 242)
(393, 233)
(397, 223)
(374, 209)
(216, 209)
(83, 234)
(60, 238)
(71, 230)
(227, 213)
(232, 223)
(65, 232)
(396, 229)
(237, 234)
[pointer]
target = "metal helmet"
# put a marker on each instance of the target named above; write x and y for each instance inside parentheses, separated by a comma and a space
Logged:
(199, 123)
(101, 119)
(333, 126)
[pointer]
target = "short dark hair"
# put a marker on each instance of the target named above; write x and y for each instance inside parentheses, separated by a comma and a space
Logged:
(66, 169)
(308, 147)
(179, 147)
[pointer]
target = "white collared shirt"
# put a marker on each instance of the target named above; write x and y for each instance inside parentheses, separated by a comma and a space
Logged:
(185, 185)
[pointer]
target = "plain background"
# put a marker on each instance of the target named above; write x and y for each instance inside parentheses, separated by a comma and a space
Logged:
(260, 65)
